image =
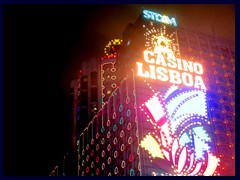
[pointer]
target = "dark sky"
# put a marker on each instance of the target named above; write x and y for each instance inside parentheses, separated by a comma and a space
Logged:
(43, 48)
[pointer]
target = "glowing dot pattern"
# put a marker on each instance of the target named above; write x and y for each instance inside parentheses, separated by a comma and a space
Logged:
(116, 142)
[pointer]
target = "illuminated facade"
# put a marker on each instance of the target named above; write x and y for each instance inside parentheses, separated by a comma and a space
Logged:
(173, 113)
(109, 78)
(85, 99)
(75, 107)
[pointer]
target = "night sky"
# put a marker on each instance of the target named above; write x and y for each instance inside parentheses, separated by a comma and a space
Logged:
(43, 49)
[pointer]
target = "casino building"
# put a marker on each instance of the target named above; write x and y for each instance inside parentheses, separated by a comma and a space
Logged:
(172, 112)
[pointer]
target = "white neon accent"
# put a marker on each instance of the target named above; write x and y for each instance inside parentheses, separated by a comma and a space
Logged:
(166, 154)
(170, 91)
(212, 165)
(191, 161)
(197, 169)
(182, 159)
(155, 108)
(174, 149)
(195, 105)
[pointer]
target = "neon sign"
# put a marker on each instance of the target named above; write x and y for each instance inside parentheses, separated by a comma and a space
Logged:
(179, 118)
(164, 66)
(159, 18)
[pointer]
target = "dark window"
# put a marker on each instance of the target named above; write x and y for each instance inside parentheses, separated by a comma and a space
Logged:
(94, 94)
(84, 98)
(94, 78)
(94, 110)
(84, 82)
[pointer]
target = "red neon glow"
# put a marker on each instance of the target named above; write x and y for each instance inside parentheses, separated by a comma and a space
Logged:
(130, 158)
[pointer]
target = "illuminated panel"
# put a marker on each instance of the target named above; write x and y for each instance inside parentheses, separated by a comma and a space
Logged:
(201, 133)
(185, 104)
(199, 147)
(183, 139)
(155, 108)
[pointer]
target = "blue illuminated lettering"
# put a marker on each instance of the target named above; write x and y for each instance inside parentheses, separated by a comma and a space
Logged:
(159, 18)
(146, 14)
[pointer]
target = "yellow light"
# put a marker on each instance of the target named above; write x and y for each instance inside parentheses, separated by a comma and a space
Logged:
(152, 146)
